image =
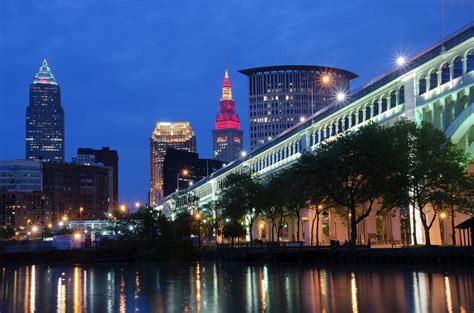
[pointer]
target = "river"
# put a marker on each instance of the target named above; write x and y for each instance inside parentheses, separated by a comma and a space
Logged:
(233, 287)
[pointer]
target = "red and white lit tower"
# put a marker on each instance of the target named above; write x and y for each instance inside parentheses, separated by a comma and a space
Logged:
(227, 136)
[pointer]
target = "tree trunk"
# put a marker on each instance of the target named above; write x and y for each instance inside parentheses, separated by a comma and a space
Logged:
(427, 236)
(353, 228)
(250, 231)
(312, 229)
(452, 226)
(317, 229)
(274, 228)
(415, 241)
(298, 227)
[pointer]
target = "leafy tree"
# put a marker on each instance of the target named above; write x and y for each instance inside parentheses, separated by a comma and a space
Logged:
(233, 229)
(356, 170)
(294, 190)
(433, 165)
(7, 232)
(211, 219)
(239, 199)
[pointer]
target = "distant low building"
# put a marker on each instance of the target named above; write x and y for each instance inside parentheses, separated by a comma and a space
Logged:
(24, 209)
(182, 168)
(108, 158)
(77, 191)
(21, 176)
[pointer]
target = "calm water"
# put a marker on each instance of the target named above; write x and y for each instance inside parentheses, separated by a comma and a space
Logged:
(213, 287)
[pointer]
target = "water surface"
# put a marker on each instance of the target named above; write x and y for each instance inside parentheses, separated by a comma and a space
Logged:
(233, 287)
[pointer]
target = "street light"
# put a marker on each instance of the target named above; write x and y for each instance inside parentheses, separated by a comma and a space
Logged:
(198, 217)
(243, 153)
(401, 60)
(325, 79)
(183, 173)
(442, 215)
(137, 204)
(64, 218)
(340, 96)
(123, 208)
(34, 229)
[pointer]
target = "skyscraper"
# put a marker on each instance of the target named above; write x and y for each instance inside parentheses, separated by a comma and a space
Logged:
(45, 118)
(281, 96)
(227, 138)
(176, 135)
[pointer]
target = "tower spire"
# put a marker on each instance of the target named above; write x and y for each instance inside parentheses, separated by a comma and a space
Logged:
(44, 75)
(226, 88)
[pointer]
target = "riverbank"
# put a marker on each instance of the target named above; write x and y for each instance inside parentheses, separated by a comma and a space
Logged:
(404, 256)
(185, 251)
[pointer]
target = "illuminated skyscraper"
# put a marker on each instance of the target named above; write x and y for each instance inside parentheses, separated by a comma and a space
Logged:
(282, 96)
(176, 135)
(45, 118)
(227, 138)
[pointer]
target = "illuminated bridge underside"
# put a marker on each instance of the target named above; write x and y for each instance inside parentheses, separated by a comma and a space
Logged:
(434, 87)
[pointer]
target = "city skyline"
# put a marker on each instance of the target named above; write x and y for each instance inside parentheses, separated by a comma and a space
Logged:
(127, 109)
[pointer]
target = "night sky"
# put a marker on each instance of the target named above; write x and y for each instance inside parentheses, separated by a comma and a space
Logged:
(124, 65)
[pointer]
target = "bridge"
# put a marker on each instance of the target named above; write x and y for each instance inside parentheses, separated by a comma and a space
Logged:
(436, 85)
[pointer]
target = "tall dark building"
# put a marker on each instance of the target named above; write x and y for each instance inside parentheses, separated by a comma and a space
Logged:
(227, 138)
(45, 118)
(108, 158)
(182, 168)
(282, 96)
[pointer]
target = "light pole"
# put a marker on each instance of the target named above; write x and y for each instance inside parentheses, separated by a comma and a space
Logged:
(198, 218)
(183, 173)
(80, 212)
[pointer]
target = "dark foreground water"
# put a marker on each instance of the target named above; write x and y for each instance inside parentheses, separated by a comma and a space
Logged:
(233, 287)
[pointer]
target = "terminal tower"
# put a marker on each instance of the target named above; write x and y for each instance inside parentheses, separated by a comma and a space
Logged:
(227, 136)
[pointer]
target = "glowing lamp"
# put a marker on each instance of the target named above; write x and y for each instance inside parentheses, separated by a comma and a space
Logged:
(137, 204)
(442, 215)
(34, 229)
(77, 236)
(325, 79)
(401, 60)
(340, 96)
(243, 153)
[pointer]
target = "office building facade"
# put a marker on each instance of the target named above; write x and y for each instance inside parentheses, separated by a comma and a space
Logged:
(227, 138)
(80, 192)
(176, 135)
(108, 158)
(45, 118)
(21, 176)
(282, 96)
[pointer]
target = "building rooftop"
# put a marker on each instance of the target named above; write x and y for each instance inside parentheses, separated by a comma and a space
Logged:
(289, 68)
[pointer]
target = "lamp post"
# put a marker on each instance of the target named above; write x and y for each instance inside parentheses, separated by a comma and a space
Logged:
(183, 173)
(80, 212)
(198, 218)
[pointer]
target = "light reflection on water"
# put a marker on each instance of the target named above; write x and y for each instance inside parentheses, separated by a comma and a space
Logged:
(232, 287)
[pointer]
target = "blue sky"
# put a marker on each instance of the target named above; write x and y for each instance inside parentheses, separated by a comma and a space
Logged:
(123, 65)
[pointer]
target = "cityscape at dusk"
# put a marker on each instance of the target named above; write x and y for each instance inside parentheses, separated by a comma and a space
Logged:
(246, 156)
(124, 66)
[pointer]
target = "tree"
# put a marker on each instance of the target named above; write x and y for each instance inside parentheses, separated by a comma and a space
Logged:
(211, 217)
(356, 170)
(233, 229)
(238, 198)
(7, 232)
(294, 189)
(433, 165)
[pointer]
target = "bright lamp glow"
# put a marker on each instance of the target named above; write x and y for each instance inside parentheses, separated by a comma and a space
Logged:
(302, 119)
(401, 60)
(243, 153)
(340, 96)
(325, 79)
